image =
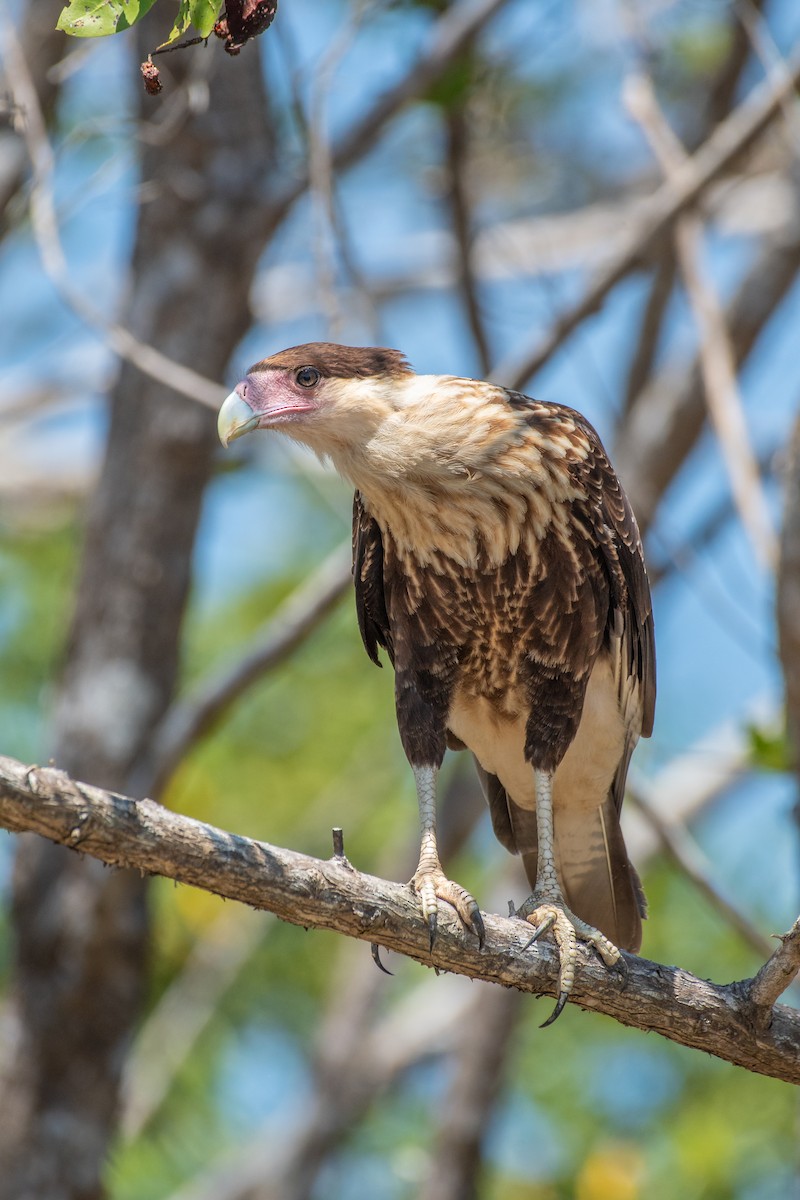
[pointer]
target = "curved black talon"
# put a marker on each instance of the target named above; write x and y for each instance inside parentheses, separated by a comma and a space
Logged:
(477, 927)
(557, 1011)
(432, 928)
(622, 968)
(537, 933)
(376, 958)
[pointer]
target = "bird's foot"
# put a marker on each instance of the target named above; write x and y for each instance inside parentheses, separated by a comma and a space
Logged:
(545, 913)
(432, 885)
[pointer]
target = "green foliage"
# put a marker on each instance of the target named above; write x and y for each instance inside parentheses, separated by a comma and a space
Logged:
(700, 48)
(455, 86)
(99, 18)
(37, 568)
(769, 748)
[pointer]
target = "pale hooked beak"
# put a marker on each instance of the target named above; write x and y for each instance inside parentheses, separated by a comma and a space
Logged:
(236, 418)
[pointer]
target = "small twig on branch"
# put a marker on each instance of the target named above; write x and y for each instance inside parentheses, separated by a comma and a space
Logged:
(778, 972)
(717, 358)
(144, 836)
(717, 155)
(188, 719)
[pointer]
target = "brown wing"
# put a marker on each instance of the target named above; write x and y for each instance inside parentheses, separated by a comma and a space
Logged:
(606, 528)
(600, 878)
(373, 621)
(629, 630)
(607, 538)
(593, 598)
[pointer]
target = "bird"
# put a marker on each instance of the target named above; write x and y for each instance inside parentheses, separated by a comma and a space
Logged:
(498, 564)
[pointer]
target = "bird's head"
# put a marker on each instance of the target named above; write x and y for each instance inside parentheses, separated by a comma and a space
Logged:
(330, 397)
(382, 426)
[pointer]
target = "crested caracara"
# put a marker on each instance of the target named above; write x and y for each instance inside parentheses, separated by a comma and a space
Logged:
(498, 563)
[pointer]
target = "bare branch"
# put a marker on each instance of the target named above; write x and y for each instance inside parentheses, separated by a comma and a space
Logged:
(44, 222)
(726, 144)
(452, 33)
(669, 416)
(332, 895)
(718, 99)
(456, 130)
(758, 36)
(321, 175)
(778, 973)
(187, 720)
(717, 358)
(43, 46)
(641, 367)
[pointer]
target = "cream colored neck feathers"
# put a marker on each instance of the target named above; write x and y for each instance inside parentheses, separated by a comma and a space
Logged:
(445, 465)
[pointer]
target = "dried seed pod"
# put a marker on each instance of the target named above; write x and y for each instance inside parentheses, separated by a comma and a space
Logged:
(151, 79)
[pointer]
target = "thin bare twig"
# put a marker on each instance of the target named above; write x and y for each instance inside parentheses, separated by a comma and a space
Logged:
(327, 227)
(717, 104)
(454, 30)
(779, 972)
(644, 356)
(669, 416)
(456, 129)
(717, 155)
(763, 43)
(44, 222)
(717, 359)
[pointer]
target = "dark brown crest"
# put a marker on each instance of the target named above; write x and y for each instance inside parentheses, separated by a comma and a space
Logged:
(339, 362)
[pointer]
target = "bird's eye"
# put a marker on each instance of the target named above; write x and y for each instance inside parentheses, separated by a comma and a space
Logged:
(307, 376)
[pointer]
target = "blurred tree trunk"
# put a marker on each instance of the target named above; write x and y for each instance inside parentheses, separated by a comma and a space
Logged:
(81, 930)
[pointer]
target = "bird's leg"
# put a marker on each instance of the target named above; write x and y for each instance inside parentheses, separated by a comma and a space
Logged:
(429, 881)
(546, 909)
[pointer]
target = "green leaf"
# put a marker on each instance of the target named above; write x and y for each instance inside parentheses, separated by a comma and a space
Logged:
(99, 18)
(204, 15)
(182, 23)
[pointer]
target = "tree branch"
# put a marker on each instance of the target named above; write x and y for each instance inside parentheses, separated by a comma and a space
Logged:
(717, 155)
(669, 415)
(457, 142)
(452, 33)
(778, 972)
(44, 224)
(716, 353)
(332, 895)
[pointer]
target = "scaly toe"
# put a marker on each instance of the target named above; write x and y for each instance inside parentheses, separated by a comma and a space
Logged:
(432, 886)
(546, 913)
